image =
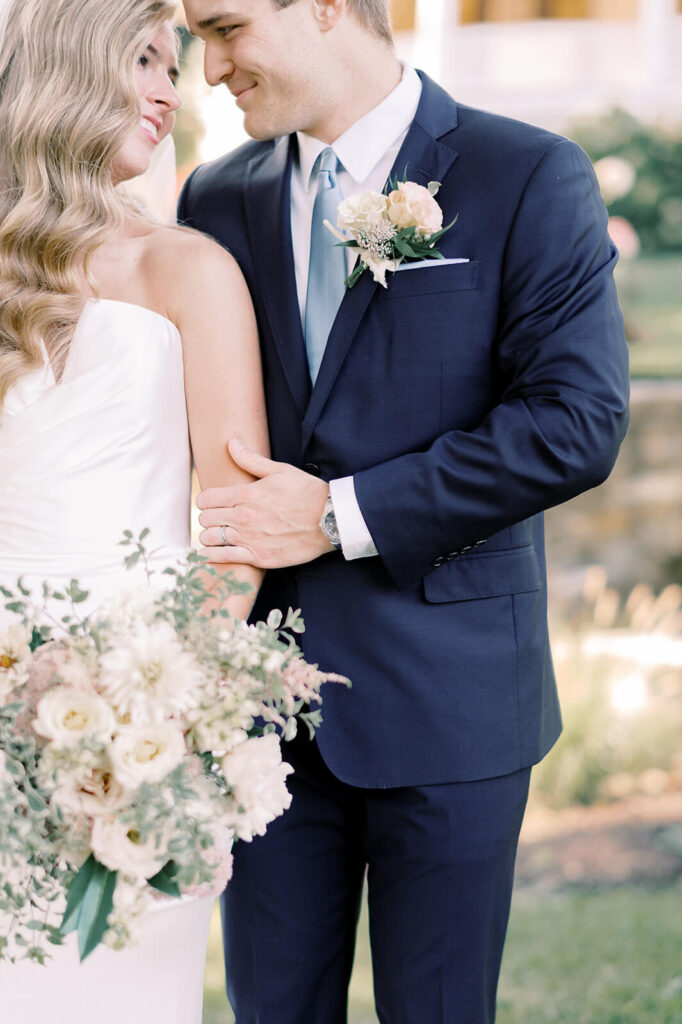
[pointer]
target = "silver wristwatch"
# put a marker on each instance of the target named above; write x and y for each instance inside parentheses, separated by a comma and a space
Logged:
(328, 524)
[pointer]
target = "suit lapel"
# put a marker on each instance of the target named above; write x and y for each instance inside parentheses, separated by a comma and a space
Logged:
(425, 159)
(268, 216)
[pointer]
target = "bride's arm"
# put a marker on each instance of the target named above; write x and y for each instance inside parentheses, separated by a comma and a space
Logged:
(212, 308)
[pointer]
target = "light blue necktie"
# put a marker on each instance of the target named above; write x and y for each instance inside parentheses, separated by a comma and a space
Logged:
(327, 266)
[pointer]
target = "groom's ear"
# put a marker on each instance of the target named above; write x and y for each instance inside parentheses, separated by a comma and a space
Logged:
(328, 13)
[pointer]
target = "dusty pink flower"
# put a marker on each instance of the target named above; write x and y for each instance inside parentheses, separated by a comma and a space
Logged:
(412, 205)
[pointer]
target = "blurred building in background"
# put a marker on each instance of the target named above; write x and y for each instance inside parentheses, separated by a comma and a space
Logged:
(550, 61)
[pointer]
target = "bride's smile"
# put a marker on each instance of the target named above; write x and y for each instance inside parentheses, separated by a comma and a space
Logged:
(156, 74)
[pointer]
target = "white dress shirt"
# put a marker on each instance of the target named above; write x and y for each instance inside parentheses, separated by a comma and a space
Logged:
(367, 152)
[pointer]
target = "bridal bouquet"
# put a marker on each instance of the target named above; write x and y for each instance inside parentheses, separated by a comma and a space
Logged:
(134, 744)
(386, 228)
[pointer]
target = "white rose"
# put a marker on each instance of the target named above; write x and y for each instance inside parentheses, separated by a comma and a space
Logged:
(255, 772)
(15, 657)
(118, 847)
(146, 753)
(89, 789)
(68, 715)
(362, 212)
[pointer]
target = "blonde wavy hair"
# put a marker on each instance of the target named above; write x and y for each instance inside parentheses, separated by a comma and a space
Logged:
(67, 105)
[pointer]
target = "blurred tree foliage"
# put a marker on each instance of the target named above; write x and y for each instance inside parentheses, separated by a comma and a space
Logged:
(189, 127)
(654, 204)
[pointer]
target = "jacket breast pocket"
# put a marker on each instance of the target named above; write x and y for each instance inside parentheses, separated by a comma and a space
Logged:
(481, 575)
(432, 278)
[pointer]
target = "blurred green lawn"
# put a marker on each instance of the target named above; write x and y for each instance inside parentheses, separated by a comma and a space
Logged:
(574, 957)
(650, 292)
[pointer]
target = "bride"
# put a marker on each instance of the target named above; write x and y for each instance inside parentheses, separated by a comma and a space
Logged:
(124, 346)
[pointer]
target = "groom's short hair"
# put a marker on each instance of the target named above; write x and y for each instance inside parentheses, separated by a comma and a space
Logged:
(373, 14)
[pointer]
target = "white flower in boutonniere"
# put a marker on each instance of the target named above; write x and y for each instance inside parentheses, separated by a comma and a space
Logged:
(386, 229)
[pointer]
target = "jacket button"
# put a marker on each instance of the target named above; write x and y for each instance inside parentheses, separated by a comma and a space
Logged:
(438, 561)
(312, 468)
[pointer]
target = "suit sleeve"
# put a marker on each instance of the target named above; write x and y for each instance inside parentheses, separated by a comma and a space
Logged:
(183, 213)
(558, 422)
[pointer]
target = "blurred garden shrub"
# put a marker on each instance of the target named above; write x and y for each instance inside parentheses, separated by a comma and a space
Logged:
(640, 172)
(619, 669)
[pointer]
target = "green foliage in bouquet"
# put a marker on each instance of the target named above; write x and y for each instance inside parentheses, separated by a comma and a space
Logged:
(135, 742)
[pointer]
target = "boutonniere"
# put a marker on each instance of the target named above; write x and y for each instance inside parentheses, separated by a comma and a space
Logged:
(403, 223)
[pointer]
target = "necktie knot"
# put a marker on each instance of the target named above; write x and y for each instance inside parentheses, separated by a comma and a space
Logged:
(325, 169)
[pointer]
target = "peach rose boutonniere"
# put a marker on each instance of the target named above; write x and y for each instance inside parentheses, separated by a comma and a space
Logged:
(385, 228)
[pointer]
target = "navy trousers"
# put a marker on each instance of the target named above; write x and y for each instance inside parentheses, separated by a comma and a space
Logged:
(439, 863)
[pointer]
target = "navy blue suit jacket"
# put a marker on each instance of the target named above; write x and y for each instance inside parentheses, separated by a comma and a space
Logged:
(465, 399)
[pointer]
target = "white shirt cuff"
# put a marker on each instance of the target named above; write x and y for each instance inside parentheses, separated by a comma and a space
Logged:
(356, 540)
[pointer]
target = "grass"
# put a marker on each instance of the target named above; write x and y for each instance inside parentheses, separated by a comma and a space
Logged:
(649, 291)
(575, 957)
(609, 957)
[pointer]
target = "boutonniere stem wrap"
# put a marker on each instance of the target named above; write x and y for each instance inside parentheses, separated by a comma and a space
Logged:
(386, 228)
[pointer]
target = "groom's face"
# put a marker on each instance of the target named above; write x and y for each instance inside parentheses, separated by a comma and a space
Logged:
(271, 60)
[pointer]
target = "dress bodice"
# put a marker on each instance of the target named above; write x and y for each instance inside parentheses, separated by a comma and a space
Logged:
(105, 449)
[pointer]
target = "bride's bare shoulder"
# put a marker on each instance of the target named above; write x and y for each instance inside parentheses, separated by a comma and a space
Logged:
(179, 253)
(192, 276)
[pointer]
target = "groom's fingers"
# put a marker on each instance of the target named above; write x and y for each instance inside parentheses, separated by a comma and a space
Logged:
(219, 498)
(219, 536)
(228, 556)
(215, 517)
(255, 464)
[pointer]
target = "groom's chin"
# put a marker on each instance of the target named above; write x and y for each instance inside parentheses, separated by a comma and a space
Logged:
(261, 131)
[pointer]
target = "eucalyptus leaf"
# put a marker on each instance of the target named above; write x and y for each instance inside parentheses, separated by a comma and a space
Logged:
(35, 800)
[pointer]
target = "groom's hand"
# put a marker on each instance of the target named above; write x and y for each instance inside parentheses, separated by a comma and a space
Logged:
(270, 522)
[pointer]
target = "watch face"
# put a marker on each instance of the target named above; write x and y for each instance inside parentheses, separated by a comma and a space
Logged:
(330, 527)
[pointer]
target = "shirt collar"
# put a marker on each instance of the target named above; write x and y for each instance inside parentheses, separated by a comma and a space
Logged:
(362, 146)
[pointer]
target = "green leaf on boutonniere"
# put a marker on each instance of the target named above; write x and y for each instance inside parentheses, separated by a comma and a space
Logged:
(164, 880)
(88, 905)
(355, 275)
(404, 247)
(437, 235)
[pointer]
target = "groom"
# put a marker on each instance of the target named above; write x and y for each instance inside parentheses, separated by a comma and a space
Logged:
(418, 432)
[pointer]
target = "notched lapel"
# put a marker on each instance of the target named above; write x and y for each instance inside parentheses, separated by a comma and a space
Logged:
(268, 215)
(426, 159)
(351, 311)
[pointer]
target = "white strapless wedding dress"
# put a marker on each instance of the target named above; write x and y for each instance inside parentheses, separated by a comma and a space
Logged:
(103, 451)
